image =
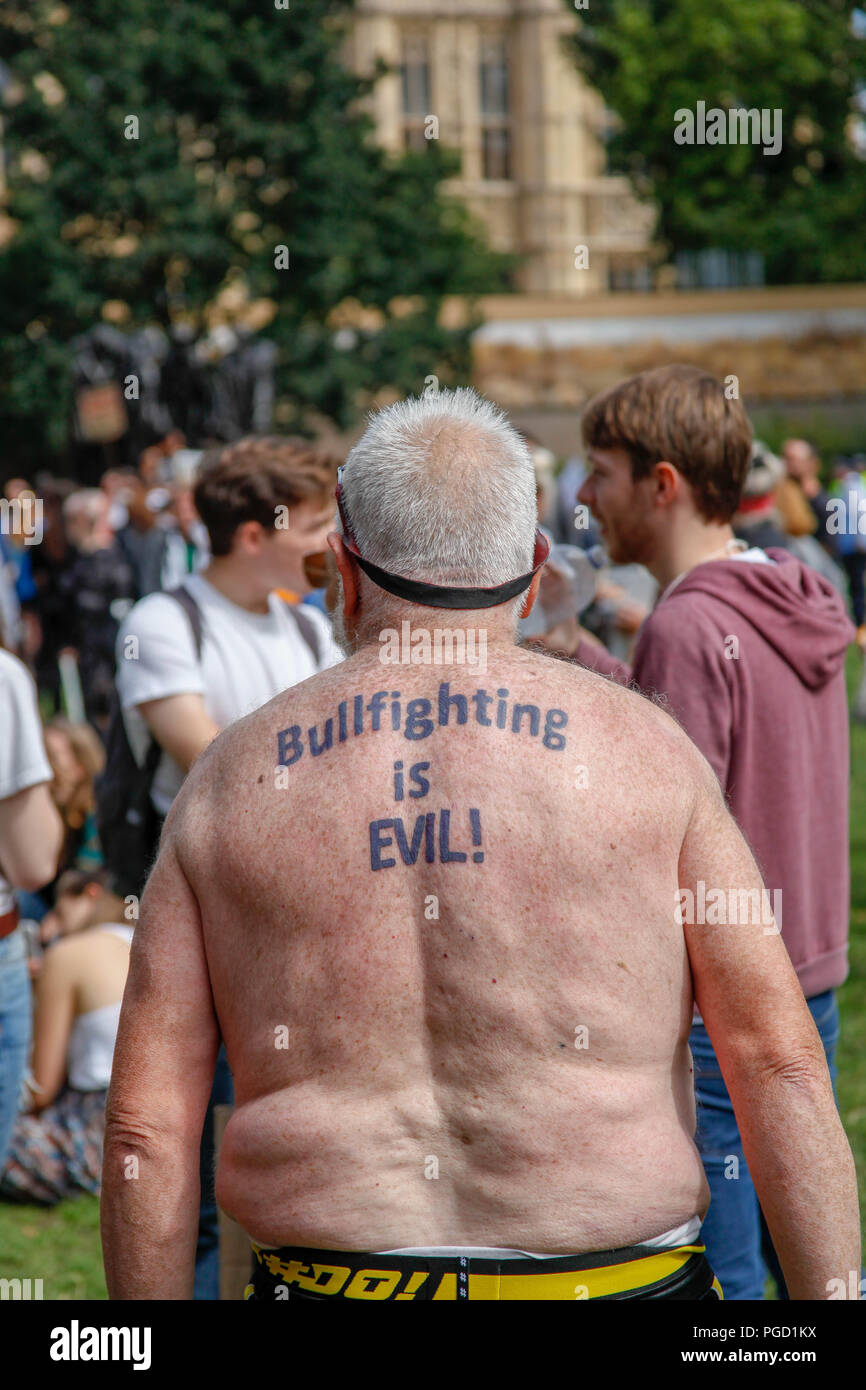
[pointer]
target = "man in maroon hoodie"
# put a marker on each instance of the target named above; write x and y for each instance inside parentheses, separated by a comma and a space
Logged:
(748, 649)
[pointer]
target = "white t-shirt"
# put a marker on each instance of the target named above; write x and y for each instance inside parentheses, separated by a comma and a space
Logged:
(22, 748)
(246, 659)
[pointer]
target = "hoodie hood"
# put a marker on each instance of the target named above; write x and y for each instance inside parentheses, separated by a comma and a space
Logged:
(796, 610)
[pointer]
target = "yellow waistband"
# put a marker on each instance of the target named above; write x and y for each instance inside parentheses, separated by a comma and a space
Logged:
(379, 1283)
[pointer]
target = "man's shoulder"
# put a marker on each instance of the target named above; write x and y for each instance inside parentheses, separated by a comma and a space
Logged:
(156, 652)
(154, 611)
(640, 752)
(686, 629)
(608, 705)
(686, 611)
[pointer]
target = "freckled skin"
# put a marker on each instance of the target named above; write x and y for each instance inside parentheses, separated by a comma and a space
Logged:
(367, 1038)
(452, 1037)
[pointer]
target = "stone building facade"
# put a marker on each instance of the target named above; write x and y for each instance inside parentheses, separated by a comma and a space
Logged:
(492, 80)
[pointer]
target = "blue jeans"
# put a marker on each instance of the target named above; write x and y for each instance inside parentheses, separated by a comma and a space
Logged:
(15, 1031)
(738, 1242)
(206, 1284)
(31, 905)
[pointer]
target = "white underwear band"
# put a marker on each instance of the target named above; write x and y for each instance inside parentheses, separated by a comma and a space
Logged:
(686, 1234)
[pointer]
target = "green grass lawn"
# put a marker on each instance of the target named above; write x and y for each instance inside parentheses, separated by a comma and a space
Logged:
(61, 1247)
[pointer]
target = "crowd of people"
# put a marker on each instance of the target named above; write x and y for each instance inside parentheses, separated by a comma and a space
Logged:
(142, 617)
(157, 608)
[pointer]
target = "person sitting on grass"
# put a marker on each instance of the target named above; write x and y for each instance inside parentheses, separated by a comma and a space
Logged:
(56, 1147)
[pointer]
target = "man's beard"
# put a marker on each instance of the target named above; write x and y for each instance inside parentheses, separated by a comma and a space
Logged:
(631, 544)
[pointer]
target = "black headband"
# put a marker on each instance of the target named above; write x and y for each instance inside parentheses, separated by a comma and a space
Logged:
(438, 595)
(443, 596)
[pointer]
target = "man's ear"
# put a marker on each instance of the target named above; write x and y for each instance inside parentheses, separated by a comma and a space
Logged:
(247, 539)
(348, 573)
(668, 482)
(531, 594)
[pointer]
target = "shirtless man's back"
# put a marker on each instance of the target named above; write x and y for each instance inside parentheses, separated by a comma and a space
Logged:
(462, 1013)
(433, 913)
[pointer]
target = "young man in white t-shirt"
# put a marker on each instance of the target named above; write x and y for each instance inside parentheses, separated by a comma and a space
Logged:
(267, 503)
(31, 835)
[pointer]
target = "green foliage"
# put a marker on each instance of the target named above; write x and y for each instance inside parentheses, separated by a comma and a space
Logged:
(803, 208)
(833, 432)
(250, 137)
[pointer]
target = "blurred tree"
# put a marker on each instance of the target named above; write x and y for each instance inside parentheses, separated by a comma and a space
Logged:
(154, 152)
(803, 209)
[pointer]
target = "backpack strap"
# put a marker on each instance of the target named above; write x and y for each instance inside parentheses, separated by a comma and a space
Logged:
(151, 760)
(307, 629)
(182, 596)
(304, 623)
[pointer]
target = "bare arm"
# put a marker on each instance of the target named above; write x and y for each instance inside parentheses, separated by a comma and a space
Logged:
(181, 725)
(773, 1063)
(55, 1014)
(163, 1070)
(31, 834)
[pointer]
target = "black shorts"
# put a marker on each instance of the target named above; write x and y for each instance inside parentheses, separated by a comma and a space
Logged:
(636, 1271)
